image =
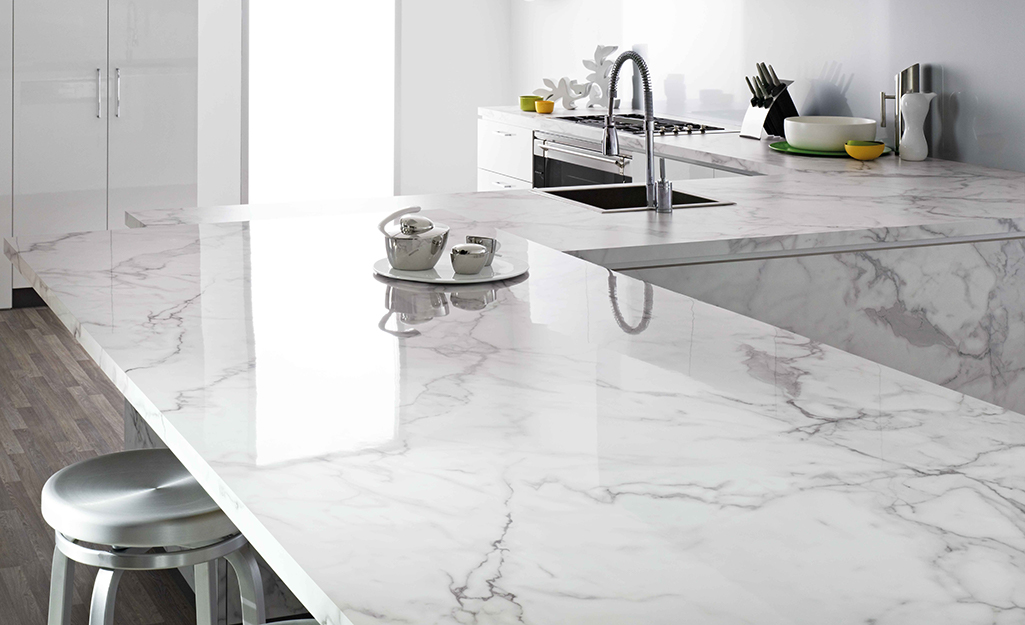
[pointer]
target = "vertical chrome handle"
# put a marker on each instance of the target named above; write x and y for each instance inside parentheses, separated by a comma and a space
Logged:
(882, 107)
(117, 92)
(99, 100)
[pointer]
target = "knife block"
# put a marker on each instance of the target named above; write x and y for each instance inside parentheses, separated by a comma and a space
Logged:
(761, 122)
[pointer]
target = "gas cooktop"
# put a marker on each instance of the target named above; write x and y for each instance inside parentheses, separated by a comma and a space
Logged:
(634, 124)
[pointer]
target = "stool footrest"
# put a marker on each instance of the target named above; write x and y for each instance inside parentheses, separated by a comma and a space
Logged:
(131, 560)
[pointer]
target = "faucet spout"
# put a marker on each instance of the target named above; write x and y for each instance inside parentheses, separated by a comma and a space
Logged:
(610, 140)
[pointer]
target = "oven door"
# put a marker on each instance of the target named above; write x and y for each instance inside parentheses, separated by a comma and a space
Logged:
(561, 161)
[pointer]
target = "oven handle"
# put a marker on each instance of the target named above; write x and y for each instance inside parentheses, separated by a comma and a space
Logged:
(619, 161)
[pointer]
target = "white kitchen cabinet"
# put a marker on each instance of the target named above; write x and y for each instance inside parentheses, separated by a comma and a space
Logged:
(60, 116)
(102, 113)
(152, 142)
(490, 181)
(722, 173)
(505, 149)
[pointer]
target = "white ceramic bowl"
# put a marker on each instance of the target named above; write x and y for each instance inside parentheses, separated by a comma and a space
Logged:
(827, 134)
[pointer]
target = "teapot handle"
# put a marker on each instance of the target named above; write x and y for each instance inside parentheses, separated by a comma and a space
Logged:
(402, 334)
(396, 215)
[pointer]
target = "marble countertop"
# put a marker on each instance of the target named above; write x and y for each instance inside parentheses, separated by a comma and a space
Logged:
(794, 205)
(584, 449)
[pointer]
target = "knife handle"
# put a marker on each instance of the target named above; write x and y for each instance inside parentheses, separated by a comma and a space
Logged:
(767, 93)
(764, 75)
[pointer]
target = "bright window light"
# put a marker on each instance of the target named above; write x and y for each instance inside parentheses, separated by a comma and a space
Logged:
(321, 100)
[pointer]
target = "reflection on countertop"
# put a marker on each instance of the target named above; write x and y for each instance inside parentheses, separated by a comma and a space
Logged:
(414, 304)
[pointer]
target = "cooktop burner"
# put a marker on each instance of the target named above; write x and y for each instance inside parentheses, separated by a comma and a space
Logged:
(634, 124)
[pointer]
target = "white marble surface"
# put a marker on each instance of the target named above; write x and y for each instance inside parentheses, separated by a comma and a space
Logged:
(543, 460)
(800, 205)
(796, 206)
(950, 314)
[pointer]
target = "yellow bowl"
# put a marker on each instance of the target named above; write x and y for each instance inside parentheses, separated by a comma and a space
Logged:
(544, 106)
(864, 150)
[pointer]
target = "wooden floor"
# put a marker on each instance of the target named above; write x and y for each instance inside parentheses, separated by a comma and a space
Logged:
(56, 407)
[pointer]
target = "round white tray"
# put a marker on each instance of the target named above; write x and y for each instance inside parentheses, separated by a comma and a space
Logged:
(444, 274)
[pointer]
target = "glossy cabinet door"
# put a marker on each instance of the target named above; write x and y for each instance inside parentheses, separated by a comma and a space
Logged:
(490, 181)
(6, 145)
(152, 147)
(505, 149)
(60, 116)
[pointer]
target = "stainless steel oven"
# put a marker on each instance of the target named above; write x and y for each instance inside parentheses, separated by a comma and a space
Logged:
(561, 161)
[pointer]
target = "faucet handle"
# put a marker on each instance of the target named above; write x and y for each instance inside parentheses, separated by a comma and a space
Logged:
(664, 195)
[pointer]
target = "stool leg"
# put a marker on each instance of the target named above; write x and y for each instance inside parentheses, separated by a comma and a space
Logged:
(62, 579)
(250, 583)
(101, 612)
(206, 593)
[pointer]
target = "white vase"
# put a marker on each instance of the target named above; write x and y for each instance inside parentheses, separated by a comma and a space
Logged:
(913, 108)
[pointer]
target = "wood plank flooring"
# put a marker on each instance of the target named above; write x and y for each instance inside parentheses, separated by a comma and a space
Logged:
(56, 408)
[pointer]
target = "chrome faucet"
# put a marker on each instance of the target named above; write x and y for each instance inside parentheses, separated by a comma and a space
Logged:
(660, 194)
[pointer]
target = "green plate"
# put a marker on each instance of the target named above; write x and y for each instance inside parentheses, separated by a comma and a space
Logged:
(783, 146)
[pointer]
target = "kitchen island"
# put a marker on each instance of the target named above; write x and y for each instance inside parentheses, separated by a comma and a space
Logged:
(563, 454)
(863, 256)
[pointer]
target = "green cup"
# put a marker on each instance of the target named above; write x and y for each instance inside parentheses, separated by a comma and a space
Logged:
(527, 102)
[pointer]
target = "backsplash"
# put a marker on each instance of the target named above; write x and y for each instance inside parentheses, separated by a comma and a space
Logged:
(843, 53)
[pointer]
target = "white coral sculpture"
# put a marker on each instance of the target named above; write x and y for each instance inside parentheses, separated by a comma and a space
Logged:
(569, 91)
(598, 79)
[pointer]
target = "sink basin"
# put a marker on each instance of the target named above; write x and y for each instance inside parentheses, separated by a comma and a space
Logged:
(627, 197)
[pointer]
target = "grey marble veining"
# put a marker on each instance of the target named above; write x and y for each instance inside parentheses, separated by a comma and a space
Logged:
(545, 459)
(951, 314)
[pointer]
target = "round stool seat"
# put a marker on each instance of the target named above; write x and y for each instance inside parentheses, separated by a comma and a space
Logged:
(141, 498)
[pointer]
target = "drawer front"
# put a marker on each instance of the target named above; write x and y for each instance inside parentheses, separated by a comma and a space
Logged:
(505, 149)
(490, 181)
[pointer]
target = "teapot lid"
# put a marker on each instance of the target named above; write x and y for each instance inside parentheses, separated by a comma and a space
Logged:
(410, 226)
(415, 224)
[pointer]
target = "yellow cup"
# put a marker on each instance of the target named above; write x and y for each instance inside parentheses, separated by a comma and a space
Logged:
(544, 106)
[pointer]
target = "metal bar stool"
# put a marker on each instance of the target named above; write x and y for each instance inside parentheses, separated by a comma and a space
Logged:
(120, 512)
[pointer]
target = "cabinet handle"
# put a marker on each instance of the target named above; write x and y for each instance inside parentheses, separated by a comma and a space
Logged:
(99, 101)
(117, 91)
(503, 185)
(502, 133)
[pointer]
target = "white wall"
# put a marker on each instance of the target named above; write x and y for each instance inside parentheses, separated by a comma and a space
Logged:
(552, 37)
(975, 49)
(454, 57)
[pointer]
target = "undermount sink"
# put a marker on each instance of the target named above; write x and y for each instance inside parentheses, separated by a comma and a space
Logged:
(627, 197)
